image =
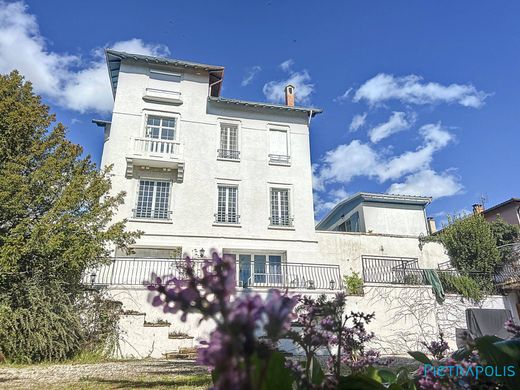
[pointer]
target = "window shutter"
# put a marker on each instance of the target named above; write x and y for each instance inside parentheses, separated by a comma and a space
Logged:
(278, 142)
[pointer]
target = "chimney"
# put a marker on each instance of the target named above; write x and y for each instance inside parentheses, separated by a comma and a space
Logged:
(432, 228)
(289, 95)
(478, 208)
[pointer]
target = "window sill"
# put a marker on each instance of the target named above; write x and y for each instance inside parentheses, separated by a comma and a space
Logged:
(228, 159)
(282, 164)
(150, 220)
(276, 227)
(223, 224)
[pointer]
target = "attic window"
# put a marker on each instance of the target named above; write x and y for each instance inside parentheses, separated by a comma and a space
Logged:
(165, 75)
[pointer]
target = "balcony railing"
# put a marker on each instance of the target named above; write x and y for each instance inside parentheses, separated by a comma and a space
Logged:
(142, 213)
(279, 159)
(138, 271)
(229, 154)
(281, 221)
(153, 147)
(228, 218)
(406, 271)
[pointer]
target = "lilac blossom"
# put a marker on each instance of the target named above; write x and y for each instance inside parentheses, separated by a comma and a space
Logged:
(239, 320)
(512, 328)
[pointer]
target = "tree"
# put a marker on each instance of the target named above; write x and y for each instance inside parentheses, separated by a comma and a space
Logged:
(470, 244)
(55, 213)
(505, 234)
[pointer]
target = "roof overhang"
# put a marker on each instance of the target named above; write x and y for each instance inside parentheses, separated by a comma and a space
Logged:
(280, 107)
(114, 59)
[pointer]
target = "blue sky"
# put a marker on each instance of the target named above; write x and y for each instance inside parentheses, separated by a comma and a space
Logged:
(419, 97)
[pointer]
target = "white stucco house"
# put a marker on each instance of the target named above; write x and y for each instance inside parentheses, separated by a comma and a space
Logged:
(206, 173)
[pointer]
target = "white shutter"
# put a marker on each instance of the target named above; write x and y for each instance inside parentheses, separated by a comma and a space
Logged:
(278, 142)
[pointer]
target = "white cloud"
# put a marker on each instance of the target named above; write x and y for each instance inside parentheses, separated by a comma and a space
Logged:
(397, 122)
(411, 89)
(251, 74)
(344, 97)
(76, 83)
(429, 183)
(347, 161)
(333, 197)
(287, 65)
(357, 121)
(303, 88)
(89, 89)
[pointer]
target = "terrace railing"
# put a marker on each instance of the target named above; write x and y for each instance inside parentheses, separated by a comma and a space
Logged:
(128, 271)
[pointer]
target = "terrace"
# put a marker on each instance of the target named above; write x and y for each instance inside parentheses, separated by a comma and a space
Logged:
(128, 271)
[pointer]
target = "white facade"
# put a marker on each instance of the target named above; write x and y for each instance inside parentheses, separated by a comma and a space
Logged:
(205, 173)
(195, 172)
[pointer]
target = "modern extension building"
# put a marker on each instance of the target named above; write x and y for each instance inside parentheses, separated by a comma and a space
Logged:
(205, 173)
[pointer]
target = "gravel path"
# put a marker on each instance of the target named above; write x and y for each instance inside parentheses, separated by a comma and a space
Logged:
(134, 374)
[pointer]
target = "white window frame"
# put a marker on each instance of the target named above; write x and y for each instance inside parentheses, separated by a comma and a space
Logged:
(231, 122)
(227, 186)
(278, 159)
(290, 225)
(162, 114)
(154, 194)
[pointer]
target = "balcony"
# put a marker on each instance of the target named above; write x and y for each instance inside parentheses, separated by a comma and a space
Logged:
(155, 153)
(227, 219)
(279, 159)
(162, 96)
(297, 276)
(281, 222)
(161, 215)
(228, 154)
(406, 271)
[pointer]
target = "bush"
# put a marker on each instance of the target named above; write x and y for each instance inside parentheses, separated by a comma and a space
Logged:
(353, 284)
(45, 327)
(463, 285)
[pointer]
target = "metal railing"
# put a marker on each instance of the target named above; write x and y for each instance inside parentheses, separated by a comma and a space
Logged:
(138, 271)
(292, 276)
(143, 213)
(406, 271)
(229, 154)
(159, 147)
(227, 218)
(279, 159)
(281, 221)
(382, 269)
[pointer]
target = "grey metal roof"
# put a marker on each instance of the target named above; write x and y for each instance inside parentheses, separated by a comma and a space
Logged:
(101, 122)
(377, 197)
(114, 59)
(309, 110)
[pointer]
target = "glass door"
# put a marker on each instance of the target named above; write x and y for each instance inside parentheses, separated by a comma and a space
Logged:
(275, 270)
(260, 270)
(244, 270)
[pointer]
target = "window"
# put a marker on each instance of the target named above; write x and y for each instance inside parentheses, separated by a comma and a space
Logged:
(280, 207)
(161, 128)
(153, 200)
(278, 147)
(227, 205)
(229, 142)
(259, 269)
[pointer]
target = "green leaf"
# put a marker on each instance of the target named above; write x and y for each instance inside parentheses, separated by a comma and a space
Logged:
(387, 376)
(317, 374)
(272, 373)
(420, 357)
(501, 355)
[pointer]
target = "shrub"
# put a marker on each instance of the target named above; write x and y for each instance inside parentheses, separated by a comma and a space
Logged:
(45, 327)
(353, 284)
(464, 285)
